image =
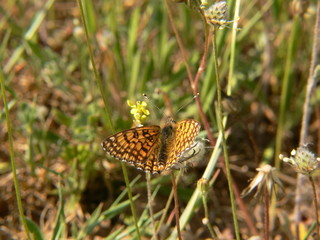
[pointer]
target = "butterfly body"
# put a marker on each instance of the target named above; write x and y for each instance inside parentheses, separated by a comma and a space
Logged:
(151, 148)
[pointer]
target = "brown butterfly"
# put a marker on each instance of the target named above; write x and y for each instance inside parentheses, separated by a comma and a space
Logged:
(154, 149)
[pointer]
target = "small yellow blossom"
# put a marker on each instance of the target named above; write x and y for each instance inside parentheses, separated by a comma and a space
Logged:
(303, 161)
(139, 111)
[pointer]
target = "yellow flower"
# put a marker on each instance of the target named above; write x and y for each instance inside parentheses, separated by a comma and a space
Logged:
(139, 111)
(303, 161)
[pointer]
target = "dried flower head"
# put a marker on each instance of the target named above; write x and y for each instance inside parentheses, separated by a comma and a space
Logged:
(216, 14)
(299, 7)
(303, 161)
(139, 111)
(267, 177)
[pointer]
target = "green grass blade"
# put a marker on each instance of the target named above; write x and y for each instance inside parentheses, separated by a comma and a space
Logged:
(12, 157)
(34, 230)
(38, 19)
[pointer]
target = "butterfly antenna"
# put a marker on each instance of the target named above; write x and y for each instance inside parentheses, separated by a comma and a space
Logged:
(155, 106)
(186, 104)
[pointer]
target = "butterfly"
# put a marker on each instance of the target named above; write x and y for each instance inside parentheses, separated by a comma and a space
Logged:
(154, 149)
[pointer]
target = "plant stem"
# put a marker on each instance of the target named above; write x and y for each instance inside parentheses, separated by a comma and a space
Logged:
(306, 114)
(285, 89)
(183, 52)
(311, 79)
(266, 214)
(315, 199)
(99, 82)
(150, 201)
(176, 203)
(133, 208)
(166, 208)
(204, 192)
(230, 85)
(13, 162)
(194, 82)
(224, 144)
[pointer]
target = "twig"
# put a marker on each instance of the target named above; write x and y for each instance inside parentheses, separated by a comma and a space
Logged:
(196, 88)
(315, 199)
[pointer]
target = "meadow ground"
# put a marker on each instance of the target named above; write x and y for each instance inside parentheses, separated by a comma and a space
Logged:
(66, 93)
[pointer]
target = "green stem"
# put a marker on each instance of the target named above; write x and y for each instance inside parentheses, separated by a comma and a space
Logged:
(99, 82)
(231, 80)
(284, 99)
(205, 187)
(133, 208)
(13, 163)
(285, 90)
(224, 144)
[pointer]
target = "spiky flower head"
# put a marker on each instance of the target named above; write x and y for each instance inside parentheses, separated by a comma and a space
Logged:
(216, 14)
(139, 111)
(303, 161)
(266, 178)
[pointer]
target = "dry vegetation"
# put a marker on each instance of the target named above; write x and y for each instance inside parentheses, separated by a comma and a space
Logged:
(70, 189)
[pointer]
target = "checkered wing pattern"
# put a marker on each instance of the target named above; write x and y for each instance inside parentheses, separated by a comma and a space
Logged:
(185, 134)
(137, 146)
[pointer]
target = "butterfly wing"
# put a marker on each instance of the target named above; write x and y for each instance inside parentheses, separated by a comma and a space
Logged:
(137, 146)
(185, 134)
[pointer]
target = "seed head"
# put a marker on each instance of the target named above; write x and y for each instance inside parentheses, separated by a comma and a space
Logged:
(303, 161)
(267, 177)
